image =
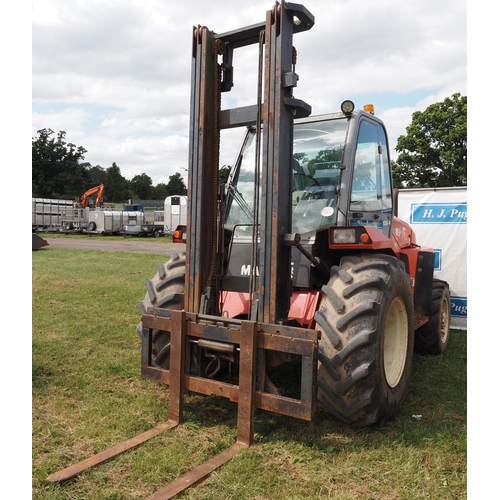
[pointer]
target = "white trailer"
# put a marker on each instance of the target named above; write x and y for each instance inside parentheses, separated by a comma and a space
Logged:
(175, 212)
(111, 221)
(56, 215)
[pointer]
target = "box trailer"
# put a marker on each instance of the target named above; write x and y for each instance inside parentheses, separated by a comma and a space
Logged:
(153, 228)
(175, 212)
(111, 221)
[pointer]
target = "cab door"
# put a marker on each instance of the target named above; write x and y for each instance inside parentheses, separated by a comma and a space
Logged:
(370, 202)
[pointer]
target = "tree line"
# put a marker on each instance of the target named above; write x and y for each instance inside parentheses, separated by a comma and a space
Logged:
(58, 171)
(432, 153)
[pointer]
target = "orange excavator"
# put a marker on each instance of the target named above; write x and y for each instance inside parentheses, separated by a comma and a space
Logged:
(86, 196)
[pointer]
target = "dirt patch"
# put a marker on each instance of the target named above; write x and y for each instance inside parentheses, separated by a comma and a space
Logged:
(137, 245)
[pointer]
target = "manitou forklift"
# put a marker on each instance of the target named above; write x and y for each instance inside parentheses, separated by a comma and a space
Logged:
(298, 261)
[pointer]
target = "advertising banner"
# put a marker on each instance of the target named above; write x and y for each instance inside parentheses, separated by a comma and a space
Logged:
(439, 219)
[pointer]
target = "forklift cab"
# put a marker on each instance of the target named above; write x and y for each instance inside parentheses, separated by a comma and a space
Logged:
(332, 154)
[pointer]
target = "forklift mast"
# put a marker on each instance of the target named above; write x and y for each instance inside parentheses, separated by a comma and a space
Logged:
(199, 326)
(272, 115)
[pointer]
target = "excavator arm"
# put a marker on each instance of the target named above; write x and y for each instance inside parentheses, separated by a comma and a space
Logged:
(98, 201)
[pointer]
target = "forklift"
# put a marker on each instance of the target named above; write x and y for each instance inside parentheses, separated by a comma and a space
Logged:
(298, 260)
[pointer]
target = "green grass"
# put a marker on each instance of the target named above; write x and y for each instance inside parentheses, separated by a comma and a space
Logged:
(106, 237)
(87, 395)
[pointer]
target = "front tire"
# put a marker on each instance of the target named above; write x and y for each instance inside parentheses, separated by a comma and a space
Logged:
(367, 337)
(433, 337)
(166, 291)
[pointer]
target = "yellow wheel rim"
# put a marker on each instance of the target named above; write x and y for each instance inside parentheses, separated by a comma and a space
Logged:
(395, 342)
(445, 320)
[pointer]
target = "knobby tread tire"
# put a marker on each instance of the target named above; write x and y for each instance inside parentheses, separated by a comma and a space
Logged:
(164, 290)
(352, 384)
(433, 337)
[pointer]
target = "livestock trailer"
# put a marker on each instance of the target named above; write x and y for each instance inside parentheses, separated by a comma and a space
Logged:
(57, 215)
(175, 212)
(111, 221)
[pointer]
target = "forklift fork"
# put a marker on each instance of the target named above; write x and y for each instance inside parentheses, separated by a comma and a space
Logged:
(270, 332)
(252, 339)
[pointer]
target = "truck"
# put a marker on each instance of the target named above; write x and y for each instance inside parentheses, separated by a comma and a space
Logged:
(297, 263)
(154, 228)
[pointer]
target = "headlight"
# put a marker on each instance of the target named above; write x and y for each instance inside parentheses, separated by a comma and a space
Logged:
(343, 236)
(347, 107)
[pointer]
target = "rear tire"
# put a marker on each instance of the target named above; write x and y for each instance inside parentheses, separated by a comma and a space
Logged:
(166, 291)
(367, 338)
(433, 337)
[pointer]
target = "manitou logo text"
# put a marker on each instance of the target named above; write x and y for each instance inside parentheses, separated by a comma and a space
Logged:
(246, 269)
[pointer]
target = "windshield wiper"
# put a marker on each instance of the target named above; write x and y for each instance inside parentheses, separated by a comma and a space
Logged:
(241, 201)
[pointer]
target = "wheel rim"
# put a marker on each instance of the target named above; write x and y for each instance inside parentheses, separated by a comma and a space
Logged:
(395, 342)
(445, 320)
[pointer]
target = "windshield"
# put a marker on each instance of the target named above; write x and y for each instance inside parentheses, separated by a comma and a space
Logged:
(317, 156)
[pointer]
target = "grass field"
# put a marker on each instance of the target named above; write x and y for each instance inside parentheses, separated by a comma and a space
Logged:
(87, 395)
(107, 237)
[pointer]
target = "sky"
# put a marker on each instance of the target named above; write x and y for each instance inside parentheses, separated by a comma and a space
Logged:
(115, 75)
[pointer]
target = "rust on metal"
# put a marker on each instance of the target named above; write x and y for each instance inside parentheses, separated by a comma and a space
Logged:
(420, 320)
(246, 393)
(252, 339)
(177, 353)
(301, 342)
(197, 474)
(37, 242)
(100, 458)
(198, 326)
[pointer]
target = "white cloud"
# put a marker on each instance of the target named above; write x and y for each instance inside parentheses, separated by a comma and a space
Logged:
(68, 119)
(45, 13)
(116, 75)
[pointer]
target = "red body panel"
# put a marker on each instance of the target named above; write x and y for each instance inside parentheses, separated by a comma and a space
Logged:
(403, 234)
(303, 305)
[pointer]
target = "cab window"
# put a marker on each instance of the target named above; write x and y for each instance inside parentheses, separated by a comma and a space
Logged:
(371, 180)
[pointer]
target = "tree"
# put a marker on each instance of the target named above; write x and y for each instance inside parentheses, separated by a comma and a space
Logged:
(224, 172)
(117, 187)
(176, 185)
(160, 191)
(95, 175)
(324, 157)
(57, 170)
(142, 186)
(433, 153)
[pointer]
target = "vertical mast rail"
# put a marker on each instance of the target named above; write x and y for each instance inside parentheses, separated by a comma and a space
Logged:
(202, 197)
(280, 108)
